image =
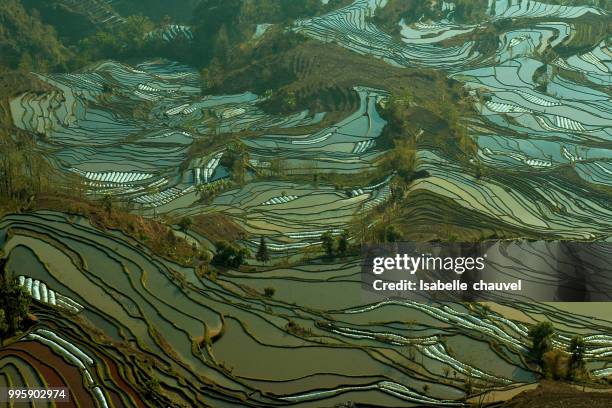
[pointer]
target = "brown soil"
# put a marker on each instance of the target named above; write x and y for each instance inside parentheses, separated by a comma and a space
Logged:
(70, 376)
(218, 227)
(558, 395)
(153, 234)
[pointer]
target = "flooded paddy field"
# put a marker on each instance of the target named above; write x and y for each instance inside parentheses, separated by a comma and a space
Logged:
(523, 125)
(133, 142)
(114, 318)
(306, 345)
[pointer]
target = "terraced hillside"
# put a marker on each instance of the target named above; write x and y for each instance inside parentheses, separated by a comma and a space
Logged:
(505, 132)
(222, 341)
(526, 125)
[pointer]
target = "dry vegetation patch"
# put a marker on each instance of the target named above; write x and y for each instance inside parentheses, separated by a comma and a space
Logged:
(154, 234)
(558, 395)
(218, 227)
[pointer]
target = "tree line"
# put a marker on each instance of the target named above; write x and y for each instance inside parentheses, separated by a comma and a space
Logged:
(556, 363)
(14, 303)
(23, 170)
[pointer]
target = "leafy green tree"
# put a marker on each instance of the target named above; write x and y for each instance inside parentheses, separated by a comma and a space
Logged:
(15, 303)
(185, 223)
(577, 349)
(343, 242)
(262, 252)
(541, 339)
(392, 234)
(126, 40)
(26, 43)
(229, 255)
(208, 20)
(133, 34)
(327, 241)
(269, 292)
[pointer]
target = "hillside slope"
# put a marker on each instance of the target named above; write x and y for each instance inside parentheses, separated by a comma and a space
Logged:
(557, 395)
(27, 43)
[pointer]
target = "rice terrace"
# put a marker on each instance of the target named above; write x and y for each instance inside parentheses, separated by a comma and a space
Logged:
(188, 191)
